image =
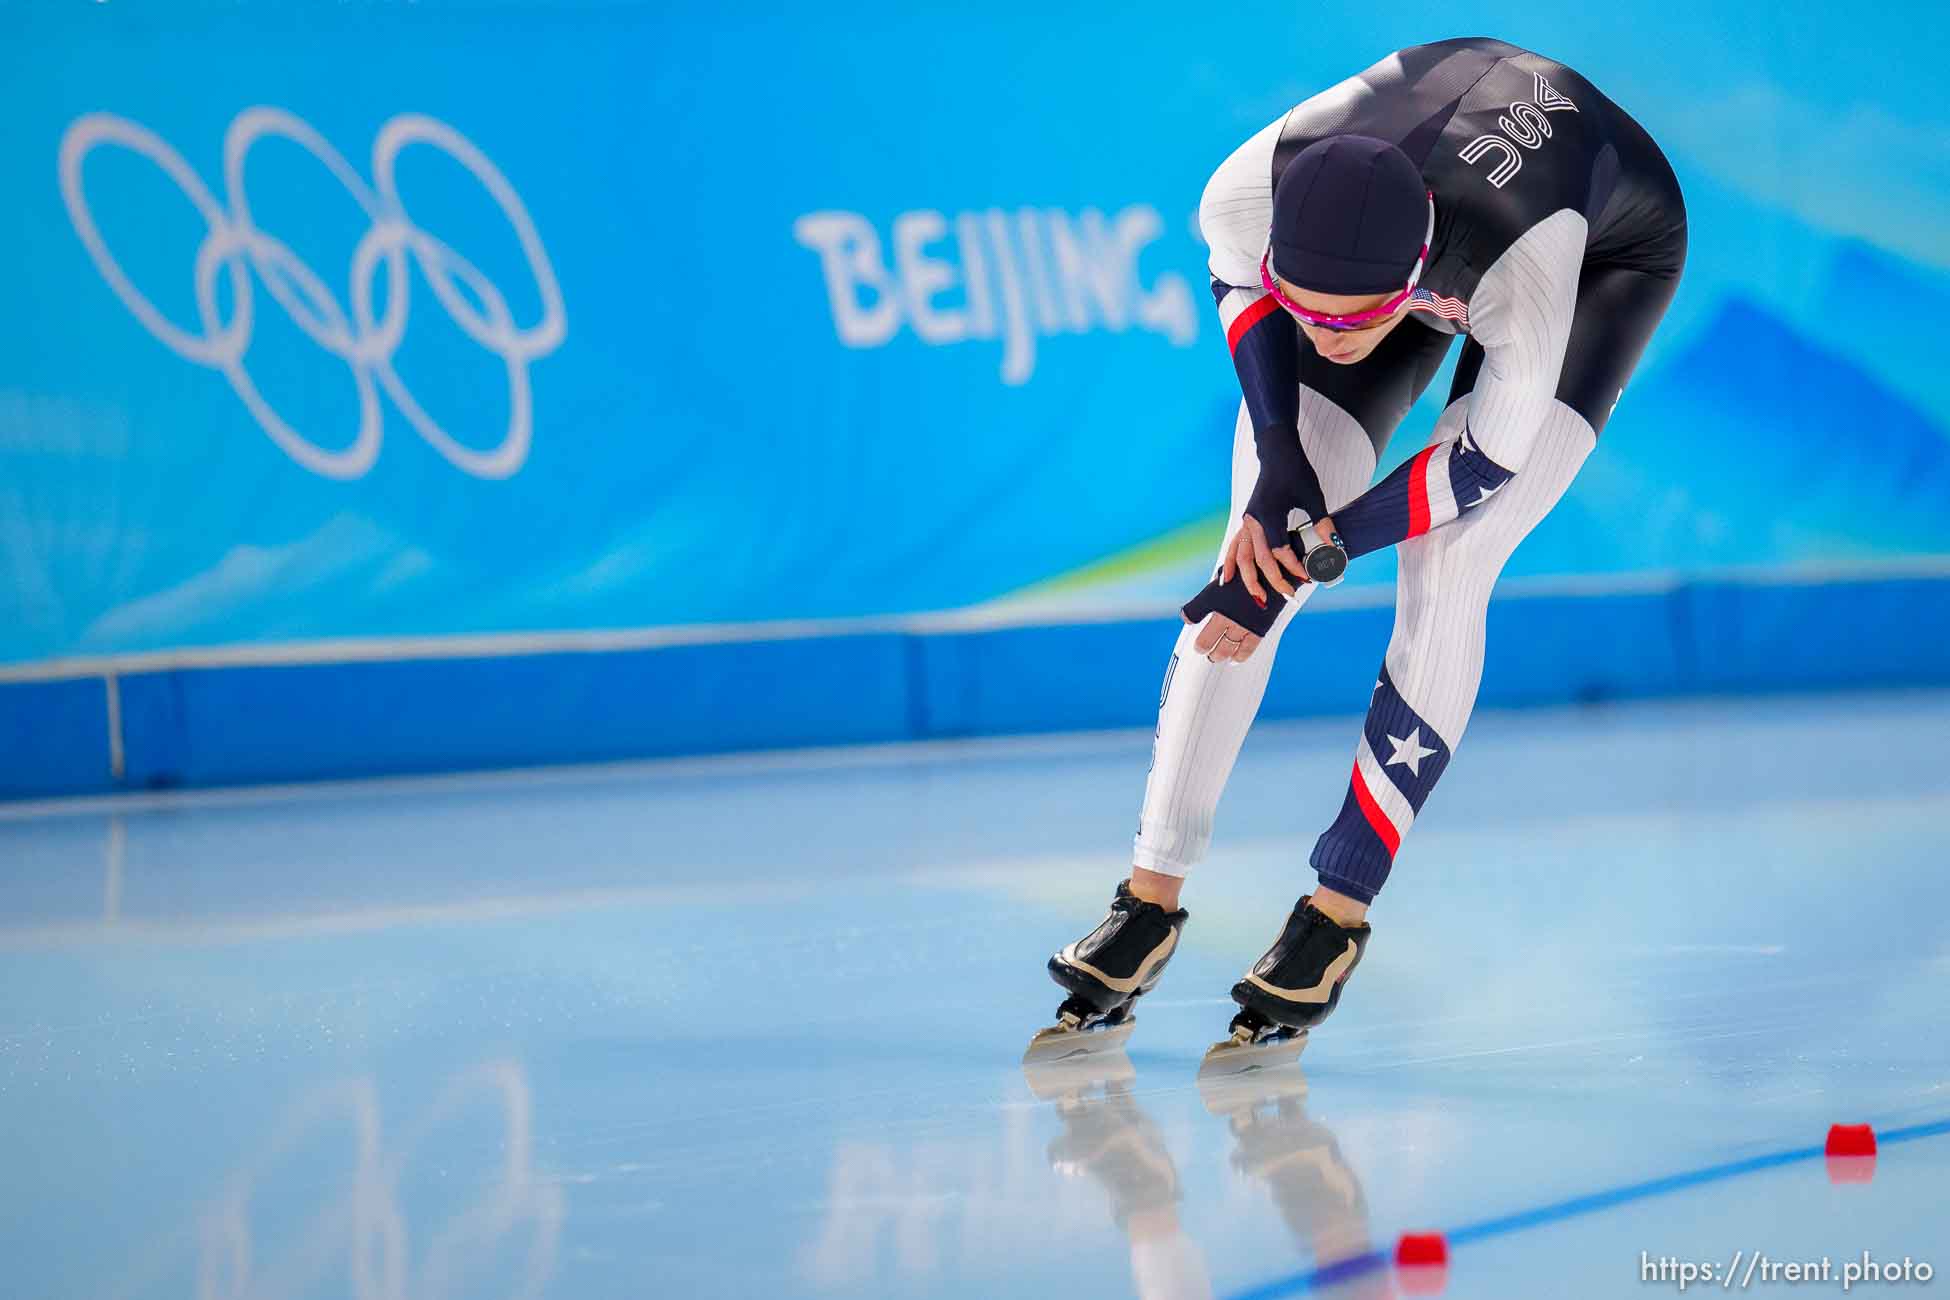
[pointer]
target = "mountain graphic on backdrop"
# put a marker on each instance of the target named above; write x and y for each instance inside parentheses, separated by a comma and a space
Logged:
(1755, 444)
(1771, 447)
(1868, 291)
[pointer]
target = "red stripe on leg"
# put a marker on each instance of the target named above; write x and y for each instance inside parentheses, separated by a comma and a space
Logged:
(1245, 320)
(1418, 493)
(1383, 828)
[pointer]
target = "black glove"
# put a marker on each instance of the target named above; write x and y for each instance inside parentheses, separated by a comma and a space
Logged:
(1286, 482)
(1236, 603)
(1324, 562)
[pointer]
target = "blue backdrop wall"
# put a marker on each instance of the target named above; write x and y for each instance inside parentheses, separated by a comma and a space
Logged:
(403, 388)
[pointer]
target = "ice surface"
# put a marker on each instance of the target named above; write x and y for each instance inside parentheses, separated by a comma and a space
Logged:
(753, 1028)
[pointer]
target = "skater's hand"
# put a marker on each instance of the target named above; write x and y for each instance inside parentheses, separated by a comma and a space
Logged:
(1223, 641)
(1250, 557)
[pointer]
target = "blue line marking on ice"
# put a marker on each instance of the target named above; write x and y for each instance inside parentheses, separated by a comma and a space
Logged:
(1341, 1270)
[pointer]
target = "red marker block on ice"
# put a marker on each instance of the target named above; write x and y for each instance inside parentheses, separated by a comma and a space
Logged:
(1851, 1153)
(1422, 1263)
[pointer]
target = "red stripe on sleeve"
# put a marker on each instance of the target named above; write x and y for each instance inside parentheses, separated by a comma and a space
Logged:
(1418, 493)
(1383, 828)
(1245, 320)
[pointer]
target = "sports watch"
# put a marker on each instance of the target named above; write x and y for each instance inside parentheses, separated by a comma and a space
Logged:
(1325, 561)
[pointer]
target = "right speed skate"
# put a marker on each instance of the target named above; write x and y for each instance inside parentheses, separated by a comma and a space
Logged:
(1105, 972)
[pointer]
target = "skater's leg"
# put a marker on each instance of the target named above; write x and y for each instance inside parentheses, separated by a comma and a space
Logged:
(1205, 709)
(1427, 686)
(1347, 414)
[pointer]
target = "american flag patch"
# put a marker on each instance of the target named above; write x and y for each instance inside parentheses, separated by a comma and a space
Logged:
(1428, 300)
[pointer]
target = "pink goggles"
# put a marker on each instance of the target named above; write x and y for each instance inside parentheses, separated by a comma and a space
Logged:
(1359, 319)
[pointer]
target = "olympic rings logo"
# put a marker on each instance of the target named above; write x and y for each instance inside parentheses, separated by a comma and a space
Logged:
(235, 247)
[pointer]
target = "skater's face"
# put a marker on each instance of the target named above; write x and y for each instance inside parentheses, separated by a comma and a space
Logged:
(1348, 346)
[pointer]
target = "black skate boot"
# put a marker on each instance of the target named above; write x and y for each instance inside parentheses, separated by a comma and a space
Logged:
(1294, 987)
(1105, 972)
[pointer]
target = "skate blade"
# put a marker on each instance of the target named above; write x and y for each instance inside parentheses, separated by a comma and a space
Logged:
(1231, 1056)
(1058, 1043)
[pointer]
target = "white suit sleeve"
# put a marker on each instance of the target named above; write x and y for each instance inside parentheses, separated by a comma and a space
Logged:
(1236, 210)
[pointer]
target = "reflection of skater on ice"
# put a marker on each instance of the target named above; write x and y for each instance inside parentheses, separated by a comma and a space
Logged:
(1316, 1191)
(1109, 1138)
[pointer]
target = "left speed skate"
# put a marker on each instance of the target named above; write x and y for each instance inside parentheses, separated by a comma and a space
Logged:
(1293, 987)
(1255, 1043)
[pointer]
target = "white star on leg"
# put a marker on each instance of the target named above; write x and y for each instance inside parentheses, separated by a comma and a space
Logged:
(1410, 752)
(1484, 494)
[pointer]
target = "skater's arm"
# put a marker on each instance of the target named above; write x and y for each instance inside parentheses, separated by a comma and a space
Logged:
(1521, 315)
(1266, 356)
(1440, 484)
(1234, 214)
